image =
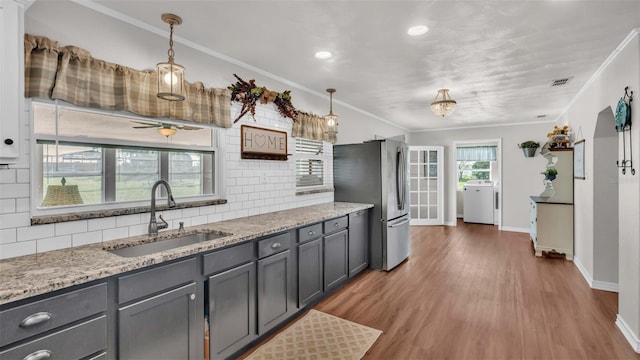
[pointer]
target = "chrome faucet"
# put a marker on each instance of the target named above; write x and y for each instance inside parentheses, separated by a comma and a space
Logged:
(153, 224)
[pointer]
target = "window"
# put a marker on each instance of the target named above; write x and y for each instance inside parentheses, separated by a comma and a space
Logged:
(311, 163)
(475, 163)
(91, 158)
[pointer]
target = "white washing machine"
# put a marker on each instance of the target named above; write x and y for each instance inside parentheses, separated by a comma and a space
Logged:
(478, 202)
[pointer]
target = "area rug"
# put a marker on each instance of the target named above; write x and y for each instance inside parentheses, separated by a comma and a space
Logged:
(318, 336)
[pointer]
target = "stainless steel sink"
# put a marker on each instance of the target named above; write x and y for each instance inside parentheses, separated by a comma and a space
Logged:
(162, 245)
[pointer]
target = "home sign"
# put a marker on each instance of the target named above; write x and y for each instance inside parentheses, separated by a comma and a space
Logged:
(259, 143)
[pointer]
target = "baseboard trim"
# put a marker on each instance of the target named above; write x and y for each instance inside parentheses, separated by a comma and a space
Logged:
(628, 334)
(594, 284)
(514, 229)
(583, 271)
(606, 286)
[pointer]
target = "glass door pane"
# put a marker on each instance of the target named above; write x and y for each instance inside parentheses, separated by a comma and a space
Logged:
(426, 188)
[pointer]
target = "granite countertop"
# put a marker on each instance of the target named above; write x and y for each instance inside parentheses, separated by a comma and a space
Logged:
(32, 275)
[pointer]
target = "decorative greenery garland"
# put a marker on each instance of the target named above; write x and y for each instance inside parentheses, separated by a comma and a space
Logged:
(248, 94)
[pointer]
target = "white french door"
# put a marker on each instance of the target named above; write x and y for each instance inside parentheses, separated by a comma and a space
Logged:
(426, 170)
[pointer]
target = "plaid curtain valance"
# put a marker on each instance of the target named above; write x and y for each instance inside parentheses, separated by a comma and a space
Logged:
(310, 126)
(70, 74)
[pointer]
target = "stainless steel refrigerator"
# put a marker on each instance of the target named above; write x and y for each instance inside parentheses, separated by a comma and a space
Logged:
(376, 172)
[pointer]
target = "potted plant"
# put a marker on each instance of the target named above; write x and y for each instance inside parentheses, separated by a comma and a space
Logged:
(529, 148)
(550, 174)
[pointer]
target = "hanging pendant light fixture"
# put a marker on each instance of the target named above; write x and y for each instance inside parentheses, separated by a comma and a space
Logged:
(170, 74)
(331, 120)
(443, 105)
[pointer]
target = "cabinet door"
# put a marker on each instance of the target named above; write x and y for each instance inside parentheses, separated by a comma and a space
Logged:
(310, 271)
(274, 287)
(358, 242)
(335, 259)
(162, 327)
(232, 309)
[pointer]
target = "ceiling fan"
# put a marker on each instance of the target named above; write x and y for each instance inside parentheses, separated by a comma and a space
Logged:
(164, 128)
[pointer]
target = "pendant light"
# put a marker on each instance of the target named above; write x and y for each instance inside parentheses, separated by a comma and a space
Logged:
(331, 120)
(170, 74)
(443, 105)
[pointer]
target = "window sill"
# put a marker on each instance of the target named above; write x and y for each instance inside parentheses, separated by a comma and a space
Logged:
(313, 191)
(52, 219)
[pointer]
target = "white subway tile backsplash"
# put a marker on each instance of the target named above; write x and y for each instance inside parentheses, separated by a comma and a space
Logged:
(22, 205)
(8, 176)
(12, 191)
(36, 232)
(8, 236)
(17, 249)
(71, 227)
(117, 233)
(86, 238)
(7, 206)
(139, 229)
(252, 187)
(22, 176)
(199, 220)
(128, 220)
(211, 218)
(101, 224)
(54, 243)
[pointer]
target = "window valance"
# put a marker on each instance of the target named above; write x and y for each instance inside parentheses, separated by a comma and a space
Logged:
(310, 126)
(476, 153)
(70, 74)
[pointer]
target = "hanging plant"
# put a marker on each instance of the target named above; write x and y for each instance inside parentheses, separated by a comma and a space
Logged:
(249, 94)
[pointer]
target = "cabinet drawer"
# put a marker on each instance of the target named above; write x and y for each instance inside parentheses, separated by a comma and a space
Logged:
(334, 225)
(34, 318)
(75, 342)
(309, 232)
(227, 258)
(143, 283)
(273, 245)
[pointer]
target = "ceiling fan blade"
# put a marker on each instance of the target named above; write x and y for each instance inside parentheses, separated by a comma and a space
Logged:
(144, 127)
(146, 123)
(185, 127)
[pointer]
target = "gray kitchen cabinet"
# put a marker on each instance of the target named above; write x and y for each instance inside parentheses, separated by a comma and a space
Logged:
(310, 272)
(165, 319)
(335, 259)
(276, 298)
(49, 327)
(358, 242)
(162, 327)
(232, 301)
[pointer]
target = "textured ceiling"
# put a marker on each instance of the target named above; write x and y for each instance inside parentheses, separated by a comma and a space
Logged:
(498, 58)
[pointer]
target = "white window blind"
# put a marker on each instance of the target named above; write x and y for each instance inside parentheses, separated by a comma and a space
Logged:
(310, 163)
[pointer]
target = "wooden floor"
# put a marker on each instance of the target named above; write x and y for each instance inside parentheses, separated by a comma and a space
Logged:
(473, 292)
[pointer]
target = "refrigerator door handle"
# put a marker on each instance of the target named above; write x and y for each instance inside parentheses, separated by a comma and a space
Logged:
(399, 178)
(402, 222)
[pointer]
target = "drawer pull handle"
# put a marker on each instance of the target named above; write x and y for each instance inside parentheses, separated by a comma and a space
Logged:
(35, 319)
(275, 245)
(38, 355)
(335, 224)
(192, 296)
(312, 232)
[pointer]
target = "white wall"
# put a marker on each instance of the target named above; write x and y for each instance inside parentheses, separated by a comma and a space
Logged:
(521, 176)
(245, 189)
(605, 90)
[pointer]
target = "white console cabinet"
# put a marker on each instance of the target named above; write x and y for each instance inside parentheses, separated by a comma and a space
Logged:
(551, 216)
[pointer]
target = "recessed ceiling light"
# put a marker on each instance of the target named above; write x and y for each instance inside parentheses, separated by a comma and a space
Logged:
(417, 30)
(324, 55)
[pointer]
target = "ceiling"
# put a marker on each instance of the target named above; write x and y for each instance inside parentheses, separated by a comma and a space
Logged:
(498, 58)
